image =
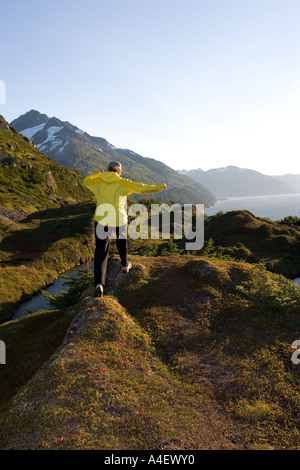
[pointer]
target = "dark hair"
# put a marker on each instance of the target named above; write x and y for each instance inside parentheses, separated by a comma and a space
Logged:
(116, 169)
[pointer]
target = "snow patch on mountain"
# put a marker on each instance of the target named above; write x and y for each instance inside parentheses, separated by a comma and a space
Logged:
(31, 131)
(111, 146)
(64, 146)
(51, 140)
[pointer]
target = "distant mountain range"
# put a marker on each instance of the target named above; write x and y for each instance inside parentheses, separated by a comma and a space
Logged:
(293, 181)
(70, 146)
(232, 181)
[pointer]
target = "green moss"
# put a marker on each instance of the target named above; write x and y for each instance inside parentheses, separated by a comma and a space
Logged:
(236, 341)
(30, 341)
(33, 252)
(106, 389)
(254, 239)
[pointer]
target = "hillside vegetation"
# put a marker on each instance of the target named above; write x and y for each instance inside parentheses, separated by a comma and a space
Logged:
(238, 236)
(29, 180)
(257, 240)
(184, 352)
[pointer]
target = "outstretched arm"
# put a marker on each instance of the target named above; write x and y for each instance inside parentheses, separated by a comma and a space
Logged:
(141, 188)
(92, 180)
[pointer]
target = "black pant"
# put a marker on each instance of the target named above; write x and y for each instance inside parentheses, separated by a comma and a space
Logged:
(102, 251)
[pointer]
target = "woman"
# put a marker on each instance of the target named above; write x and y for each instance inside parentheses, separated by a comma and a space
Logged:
(111, 192)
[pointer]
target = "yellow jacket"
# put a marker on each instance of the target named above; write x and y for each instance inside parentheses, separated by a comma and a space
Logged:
(112, 190)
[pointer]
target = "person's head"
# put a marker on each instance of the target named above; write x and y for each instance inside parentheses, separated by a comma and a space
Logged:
(115, 166)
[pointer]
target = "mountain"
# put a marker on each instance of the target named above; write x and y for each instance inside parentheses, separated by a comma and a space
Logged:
(232, 181)
(29, 180)
(70, 146)
(292, 180)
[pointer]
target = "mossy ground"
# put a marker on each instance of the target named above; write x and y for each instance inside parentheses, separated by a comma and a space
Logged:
(107, 389)
(188, 353)
(227, 327)
(30, 341)
(257, 240)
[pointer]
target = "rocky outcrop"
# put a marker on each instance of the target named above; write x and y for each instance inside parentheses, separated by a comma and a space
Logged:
(4, 124)
(16, 215)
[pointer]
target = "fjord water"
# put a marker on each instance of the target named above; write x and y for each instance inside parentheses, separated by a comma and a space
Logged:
(274, 207)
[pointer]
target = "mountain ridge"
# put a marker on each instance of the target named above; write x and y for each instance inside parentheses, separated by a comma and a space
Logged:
(70, 146)
(233, 181)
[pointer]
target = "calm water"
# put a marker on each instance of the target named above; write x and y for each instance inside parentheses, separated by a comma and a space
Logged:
(39, 301)
(274, 207)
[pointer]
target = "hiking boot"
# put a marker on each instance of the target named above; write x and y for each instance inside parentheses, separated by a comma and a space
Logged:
(99, 290)
(127, 268)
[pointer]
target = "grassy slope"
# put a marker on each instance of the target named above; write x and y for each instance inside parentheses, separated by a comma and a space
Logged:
(29, 180)
(194, 362)
(35, 250)
(238, 235)
(257, 240)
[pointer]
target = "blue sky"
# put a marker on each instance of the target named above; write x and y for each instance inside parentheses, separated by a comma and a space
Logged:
(193, 83)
